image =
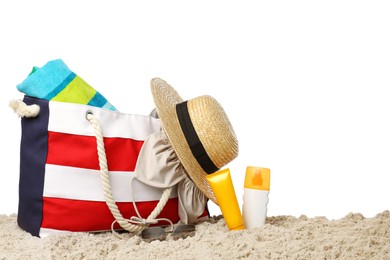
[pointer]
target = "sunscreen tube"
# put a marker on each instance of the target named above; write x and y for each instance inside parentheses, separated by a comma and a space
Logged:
(222, 186)
(255, 200)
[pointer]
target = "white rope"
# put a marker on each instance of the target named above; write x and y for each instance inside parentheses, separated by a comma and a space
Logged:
(24, 110)
(134, 224)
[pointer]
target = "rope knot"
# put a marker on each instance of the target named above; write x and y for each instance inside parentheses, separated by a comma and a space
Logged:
(142, 221)
(24, 110)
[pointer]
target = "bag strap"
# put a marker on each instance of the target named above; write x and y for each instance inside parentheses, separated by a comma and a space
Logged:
(133, 224)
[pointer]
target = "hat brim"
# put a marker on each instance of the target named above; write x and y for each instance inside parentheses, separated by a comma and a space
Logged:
(165, 99)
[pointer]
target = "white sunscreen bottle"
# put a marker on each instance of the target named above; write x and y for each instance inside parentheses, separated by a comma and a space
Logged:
(255, 199)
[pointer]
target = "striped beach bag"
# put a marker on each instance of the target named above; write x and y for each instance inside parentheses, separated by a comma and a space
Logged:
(77, 166)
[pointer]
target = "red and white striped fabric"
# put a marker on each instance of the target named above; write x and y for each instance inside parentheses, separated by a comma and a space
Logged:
(60, 187)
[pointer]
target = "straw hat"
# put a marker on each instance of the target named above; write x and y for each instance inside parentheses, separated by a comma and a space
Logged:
(198, 130)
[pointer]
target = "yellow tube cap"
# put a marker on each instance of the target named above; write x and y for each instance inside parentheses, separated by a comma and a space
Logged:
(257, 178)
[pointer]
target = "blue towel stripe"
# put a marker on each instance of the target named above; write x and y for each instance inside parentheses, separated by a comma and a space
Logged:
(97, 100)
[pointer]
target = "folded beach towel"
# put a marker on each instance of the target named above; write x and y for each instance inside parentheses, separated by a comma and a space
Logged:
(55, 81)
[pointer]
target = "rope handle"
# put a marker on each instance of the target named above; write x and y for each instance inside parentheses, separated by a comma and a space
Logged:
(134, 224)
(24, 110)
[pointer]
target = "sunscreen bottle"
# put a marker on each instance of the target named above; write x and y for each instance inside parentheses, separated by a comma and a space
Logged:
(222, 186)
(255, 200)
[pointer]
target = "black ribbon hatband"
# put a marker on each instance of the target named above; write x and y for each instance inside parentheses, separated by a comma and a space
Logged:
(193, 140)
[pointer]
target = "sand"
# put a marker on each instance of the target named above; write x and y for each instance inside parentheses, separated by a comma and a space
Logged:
(283, 237)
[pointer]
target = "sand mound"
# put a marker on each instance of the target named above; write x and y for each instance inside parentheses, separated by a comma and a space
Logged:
(283, 237)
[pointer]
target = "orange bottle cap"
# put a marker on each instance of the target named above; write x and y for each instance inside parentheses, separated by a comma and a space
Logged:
(257, 178)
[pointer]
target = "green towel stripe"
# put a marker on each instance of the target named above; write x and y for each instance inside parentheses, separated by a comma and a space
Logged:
(77, 91)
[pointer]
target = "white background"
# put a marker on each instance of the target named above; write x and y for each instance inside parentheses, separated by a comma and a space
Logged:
(304, 83)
